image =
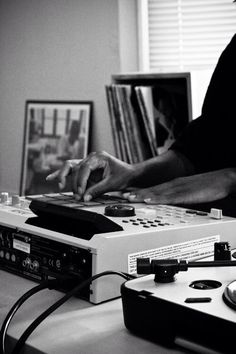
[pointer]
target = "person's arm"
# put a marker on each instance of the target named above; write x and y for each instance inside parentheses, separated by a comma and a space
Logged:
(162, 168)
(195, 189)
(101, 172)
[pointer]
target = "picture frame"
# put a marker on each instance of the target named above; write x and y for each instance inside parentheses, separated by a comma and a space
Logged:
(54, 131)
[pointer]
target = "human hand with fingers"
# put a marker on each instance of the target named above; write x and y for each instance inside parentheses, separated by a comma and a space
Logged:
(179, 175)
(101, 172)
(199, 188)
(96, 174)
(62, 174)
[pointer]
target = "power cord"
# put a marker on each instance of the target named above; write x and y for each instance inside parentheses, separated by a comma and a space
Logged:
(20, 343)
(47, 284)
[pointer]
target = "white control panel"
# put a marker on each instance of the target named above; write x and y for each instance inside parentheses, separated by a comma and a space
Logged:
(152, 231)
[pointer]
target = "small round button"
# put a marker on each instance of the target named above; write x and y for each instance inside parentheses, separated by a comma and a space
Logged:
(119, 210)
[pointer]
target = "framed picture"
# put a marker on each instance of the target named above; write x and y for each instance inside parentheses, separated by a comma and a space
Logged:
(54, 132)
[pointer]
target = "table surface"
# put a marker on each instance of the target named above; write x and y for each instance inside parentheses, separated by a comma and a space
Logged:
(75, 327)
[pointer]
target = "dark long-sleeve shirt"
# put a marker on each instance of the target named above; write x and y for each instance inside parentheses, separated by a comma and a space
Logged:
(209, 141)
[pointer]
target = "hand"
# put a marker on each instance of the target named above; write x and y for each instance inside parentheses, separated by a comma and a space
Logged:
(200, 188)
(63, 172)
(96, 174)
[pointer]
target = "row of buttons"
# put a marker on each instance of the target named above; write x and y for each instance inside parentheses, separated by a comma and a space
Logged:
(147, 223)
(67, 200)
(163, 215)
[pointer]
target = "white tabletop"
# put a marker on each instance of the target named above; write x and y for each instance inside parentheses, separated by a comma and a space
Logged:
(76, 327)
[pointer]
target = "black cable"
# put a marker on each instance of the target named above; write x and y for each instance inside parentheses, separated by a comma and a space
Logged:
(20, 343)
(44, 285)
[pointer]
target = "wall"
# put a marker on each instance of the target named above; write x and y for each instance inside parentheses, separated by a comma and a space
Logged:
(128, 35)
(55, 50)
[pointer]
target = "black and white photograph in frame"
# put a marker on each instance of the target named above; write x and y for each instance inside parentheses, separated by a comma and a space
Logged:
(55, 131)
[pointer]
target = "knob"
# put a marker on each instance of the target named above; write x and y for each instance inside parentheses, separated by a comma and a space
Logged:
(15, 200)
(119, 210)
(4, 197)
(216, 213)
(222, 251)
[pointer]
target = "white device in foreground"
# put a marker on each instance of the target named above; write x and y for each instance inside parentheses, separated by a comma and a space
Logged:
(194, 311)
(161, 231)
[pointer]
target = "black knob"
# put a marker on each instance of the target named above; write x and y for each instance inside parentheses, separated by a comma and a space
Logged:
(120, 210)
(222, 251)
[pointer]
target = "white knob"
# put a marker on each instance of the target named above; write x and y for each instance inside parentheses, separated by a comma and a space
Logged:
(216, 213)
(4, 197)
(15, 200)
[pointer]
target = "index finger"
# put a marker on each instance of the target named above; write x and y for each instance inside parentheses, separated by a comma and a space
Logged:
(81, 173)
(61, 174)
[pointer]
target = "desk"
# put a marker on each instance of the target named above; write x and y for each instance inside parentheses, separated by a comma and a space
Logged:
(76, 327)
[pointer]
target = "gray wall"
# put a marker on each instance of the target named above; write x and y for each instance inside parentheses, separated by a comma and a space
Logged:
(56, 50)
